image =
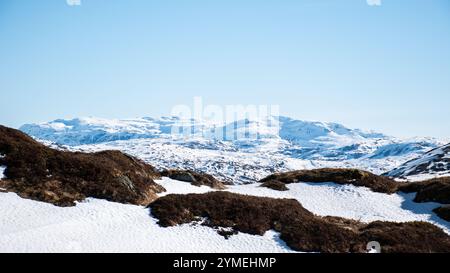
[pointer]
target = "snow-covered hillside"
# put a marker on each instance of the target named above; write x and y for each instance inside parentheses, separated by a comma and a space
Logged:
(431, 164)
(240, 152)
(101, 226)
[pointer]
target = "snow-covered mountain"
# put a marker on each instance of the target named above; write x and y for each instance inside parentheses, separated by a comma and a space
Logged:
(241, 151)
(81, 131)
(95, 130)
(433, 163)
(300, 139)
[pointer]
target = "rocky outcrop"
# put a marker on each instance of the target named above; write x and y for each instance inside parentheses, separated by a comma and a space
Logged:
(195, 178)
(299, 228)
(37, 172)
(340, 176)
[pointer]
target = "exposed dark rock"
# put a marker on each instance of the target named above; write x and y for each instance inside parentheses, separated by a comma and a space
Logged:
(59, 177)
(226, 233)
(183, 176)
(195, 178)
(443, 212)
(340, 176)
(433, 190)
(299, 228)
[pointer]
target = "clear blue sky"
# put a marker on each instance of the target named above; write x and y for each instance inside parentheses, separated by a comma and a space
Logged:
(384, 67)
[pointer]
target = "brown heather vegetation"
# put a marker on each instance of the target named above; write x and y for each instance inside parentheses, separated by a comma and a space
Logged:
(275, 185)
(299, 228)
(37, 172)
(340, 176)
(443, 212)
(433, 190)
(195, 178)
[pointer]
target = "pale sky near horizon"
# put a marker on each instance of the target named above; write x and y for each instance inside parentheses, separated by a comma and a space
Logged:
(384, 68)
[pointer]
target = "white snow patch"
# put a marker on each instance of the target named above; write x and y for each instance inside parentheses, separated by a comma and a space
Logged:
(101, 226)
(424, 176)
(2, 172)
(180, 187)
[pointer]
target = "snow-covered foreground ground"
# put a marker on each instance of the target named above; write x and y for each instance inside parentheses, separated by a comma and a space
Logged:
(102, 226)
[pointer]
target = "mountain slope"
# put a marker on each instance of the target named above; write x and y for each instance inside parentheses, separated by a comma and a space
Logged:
(94, 130)
(435, 162)
(300, 139)
(81, 131)
(242, 151)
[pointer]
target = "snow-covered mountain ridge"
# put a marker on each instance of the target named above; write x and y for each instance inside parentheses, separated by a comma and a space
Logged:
(95, 130)
(241, 151)
(433, 163)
